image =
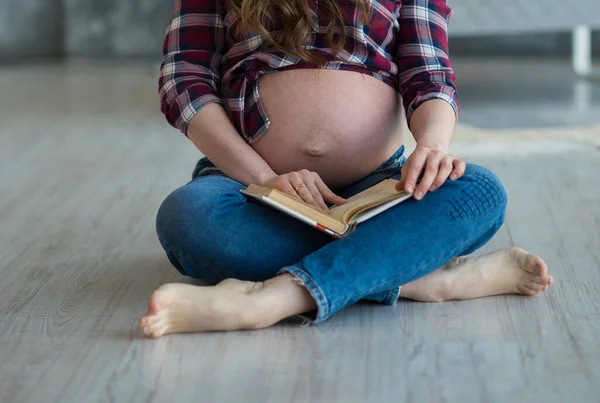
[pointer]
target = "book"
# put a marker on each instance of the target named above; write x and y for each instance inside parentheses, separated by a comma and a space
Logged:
(342, 219)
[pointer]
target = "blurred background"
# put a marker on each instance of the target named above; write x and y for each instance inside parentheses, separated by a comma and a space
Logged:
(134, 28)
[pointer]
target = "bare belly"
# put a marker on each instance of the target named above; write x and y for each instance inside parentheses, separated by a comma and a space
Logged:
(339, 124)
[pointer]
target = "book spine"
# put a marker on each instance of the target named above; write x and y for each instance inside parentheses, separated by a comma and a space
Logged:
(296, 215)
(326, 230)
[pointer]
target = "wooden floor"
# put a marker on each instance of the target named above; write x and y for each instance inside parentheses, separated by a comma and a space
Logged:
(85, 160)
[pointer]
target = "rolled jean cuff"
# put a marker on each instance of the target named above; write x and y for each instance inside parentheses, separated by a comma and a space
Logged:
(315, 291)
(392, 296)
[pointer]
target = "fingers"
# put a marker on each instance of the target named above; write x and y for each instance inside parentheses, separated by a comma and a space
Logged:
(316, 194)
(286, 186)
(401, 185)
(310, 189)
(432, 167)
(445, 168)
(459, 169)
(301, 178)
(327, 193)
(414, 169)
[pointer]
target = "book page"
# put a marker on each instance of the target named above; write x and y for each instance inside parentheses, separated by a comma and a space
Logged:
(373, 196)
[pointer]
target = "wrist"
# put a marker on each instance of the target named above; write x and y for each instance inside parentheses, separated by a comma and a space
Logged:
(435, 144)
(264, 177)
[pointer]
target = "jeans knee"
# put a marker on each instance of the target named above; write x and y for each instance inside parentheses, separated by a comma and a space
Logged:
(184, 219)
(173, 225)
(482, 194)
(202, 229)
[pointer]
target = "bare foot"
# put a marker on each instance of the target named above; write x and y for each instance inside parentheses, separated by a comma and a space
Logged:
(177, 308)
(230, 305)
(507, 271)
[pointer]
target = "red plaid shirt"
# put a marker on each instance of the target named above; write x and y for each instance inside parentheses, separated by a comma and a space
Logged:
(405, 46)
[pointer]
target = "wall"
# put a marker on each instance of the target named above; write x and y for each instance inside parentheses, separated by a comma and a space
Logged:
(115, 27)
(30, 28)
(135, 28)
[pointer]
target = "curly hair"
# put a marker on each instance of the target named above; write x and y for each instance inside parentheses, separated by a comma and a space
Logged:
(295, 21)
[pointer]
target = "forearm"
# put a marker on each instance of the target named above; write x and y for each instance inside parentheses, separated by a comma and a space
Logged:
(432, 124)
(214, 135)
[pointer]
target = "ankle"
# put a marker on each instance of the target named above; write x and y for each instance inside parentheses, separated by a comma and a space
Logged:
(282, 297)
(460, 276)
(424, 289)
(256, 313)
(442, 289)
(447, 286)
(438, 286)
(266, 306)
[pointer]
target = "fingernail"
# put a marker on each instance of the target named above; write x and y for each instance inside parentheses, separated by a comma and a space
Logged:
(419, 194)
(453, 177)
(432, 188)
(409, 189)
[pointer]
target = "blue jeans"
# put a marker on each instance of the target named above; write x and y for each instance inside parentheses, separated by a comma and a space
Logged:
(209, 231)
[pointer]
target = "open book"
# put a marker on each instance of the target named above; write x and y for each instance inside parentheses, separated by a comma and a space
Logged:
(341, 219)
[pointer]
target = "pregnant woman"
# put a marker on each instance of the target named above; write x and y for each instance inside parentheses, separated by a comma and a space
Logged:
(309, 97)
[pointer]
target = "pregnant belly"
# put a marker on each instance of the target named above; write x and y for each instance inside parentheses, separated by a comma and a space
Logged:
(339, 124)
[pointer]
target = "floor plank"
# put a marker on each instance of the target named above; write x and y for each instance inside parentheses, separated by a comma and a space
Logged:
(80, 182)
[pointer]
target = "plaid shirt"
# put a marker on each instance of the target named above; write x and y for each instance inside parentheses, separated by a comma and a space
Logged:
(405, 46)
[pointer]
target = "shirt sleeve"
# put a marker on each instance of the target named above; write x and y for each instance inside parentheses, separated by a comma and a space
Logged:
(192, 52)
(423, 63)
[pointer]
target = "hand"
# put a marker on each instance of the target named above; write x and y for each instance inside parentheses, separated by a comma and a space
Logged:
(434, 164)
(311, 188)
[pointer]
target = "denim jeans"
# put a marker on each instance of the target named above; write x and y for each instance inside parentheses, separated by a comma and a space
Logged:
(209, 231)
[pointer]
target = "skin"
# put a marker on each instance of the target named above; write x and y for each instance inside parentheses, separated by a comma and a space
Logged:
(432, 125)
(314, 192)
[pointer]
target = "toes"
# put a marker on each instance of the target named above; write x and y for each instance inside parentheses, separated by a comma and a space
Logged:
(155, 328)
(160, 298)
(549, 281)
(537, 265)
(529, 262)
(534, 264)
(543, 281)
(157, 332)
(535, 286)
(154, 303)
(149, 320)
(526, 290)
